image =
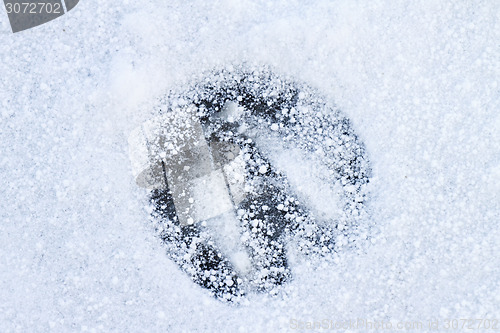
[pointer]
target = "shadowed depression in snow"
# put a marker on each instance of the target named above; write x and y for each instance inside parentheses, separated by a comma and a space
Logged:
(234, 165)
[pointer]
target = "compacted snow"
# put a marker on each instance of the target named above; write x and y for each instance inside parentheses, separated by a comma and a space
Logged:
(418, 81)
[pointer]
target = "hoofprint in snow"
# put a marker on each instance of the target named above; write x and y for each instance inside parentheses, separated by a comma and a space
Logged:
(242, 165)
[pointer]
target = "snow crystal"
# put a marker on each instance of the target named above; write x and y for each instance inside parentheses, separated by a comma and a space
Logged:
(263, 169)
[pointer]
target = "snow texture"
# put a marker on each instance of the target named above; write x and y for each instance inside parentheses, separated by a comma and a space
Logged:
(418, 81)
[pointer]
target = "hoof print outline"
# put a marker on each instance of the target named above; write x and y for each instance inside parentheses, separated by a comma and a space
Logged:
(240, 165)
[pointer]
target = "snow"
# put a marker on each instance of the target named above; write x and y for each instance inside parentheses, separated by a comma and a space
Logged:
(419, 81)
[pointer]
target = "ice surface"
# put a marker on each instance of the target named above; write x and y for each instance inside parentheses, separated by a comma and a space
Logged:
(419, 80)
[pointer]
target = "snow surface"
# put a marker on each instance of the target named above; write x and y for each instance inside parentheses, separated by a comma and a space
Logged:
(418, 79)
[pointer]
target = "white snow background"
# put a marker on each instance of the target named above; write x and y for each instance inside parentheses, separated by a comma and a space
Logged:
(418, 79)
